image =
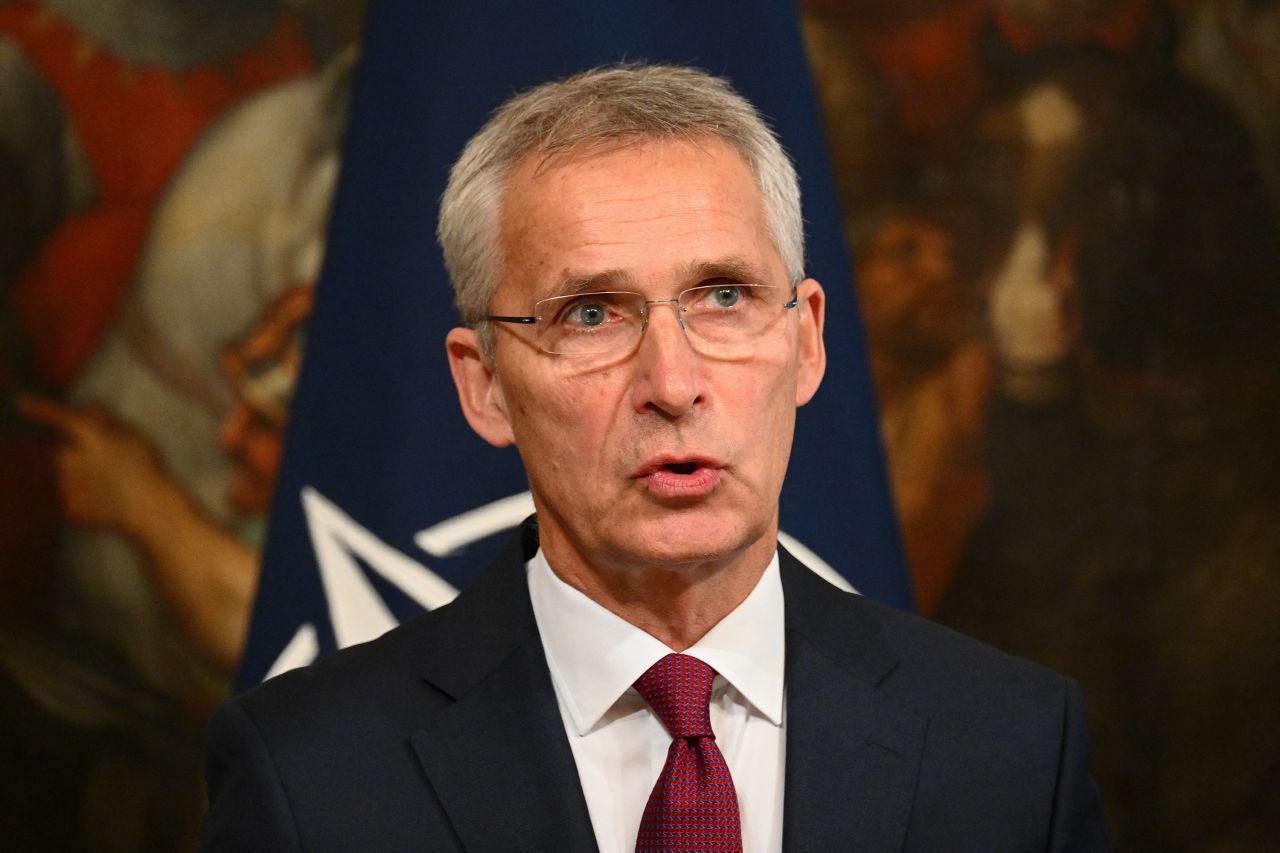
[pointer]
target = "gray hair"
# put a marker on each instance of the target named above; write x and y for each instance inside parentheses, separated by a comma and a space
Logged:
(614, 103)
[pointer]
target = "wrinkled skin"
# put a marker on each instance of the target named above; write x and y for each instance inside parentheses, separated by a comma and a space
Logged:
(648, 217)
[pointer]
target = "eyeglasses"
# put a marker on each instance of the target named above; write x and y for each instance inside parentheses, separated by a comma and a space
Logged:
(722, 319)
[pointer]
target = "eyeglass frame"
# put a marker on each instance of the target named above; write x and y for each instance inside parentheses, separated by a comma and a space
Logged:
(532, 319)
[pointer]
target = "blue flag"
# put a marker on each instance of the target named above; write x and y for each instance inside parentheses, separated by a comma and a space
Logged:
(387, 502)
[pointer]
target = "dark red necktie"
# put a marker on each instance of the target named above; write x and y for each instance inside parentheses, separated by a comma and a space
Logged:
(694, 806)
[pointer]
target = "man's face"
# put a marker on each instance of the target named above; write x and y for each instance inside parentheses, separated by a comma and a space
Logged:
(912, 293)
(661, 456)
(262, 370)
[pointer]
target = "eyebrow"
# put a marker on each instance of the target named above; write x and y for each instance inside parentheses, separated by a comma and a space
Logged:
(614, 279)
(732, 268)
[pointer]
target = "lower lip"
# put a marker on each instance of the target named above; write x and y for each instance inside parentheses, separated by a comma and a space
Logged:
(668, 484)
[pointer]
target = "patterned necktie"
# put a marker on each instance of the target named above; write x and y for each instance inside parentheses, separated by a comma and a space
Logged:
(694, 806)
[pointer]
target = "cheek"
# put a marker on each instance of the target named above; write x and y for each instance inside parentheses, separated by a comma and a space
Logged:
(262, 451)
(562, 427)
(762, 400)
(234, 427)
(771, 412)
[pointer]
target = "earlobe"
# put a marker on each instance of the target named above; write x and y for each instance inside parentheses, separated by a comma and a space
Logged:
(479, 392)
(812, 350)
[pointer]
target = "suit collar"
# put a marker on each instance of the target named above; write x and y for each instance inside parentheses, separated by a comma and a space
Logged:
(595, 655)
(853, 753)
(487, 622)
(497, 758)
(847, 626)
(500, 763)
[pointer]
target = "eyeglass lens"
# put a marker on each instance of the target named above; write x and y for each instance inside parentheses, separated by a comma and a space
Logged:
(720, 316)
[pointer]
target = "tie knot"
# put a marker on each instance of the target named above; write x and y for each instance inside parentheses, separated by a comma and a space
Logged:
(678, 688)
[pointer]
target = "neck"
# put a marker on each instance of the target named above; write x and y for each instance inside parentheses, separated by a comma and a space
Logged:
(675, 603)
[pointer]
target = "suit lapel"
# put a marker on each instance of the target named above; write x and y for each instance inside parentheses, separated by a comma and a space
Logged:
(499, 762)
(853, 753)
(497, 757)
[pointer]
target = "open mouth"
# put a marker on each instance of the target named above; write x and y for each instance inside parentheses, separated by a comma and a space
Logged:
(681, 479)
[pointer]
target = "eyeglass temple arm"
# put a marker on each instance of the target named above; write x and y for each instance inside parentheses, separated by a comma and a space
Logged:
(528, 321)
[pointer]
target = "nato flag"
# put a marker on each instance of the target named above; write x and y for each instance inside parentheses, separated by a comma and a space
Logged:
(387, 502)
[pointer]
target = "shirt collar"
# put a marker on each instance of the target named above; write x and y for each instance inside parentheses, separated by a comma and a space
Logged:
(595, 656)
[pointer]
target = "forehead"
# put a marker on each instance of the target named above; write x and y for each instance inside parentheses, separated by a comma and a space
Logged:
(646, 216)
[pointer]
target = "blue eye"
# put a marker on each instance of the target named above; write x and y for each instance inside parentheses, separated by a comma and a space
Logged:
(587, 314)
(726, 297)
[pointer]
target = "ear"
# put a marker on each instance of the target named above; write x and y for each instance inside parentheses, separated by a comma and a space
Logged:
(811, 305)
(479, 392)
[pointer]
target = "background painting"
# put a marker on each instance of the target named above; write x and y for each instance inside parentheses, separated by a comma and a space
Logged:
(1063, 216)
(165, 173)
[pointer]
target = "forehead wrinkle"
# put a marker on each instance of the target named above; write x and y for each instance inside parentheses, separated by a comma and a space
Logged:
(698, 197)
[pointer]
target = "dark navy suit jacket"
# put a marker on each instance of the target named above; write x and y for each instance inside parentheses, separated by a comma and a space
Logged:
(444, 734)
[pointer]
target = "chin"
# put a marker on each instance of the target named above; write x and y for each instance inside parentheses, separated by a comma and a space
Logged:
(690, 537)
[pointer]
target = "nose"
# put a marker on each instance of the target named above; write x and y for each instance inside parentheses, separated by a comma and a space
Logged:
(667, 379)
(232, 431)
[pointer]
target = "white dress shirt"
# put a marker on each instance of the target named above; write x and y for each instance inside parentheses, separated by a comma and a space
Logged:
(620, 745)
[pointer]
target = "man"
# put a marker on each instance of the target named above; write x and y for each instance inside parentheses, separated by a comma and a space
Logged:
(626, 248)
